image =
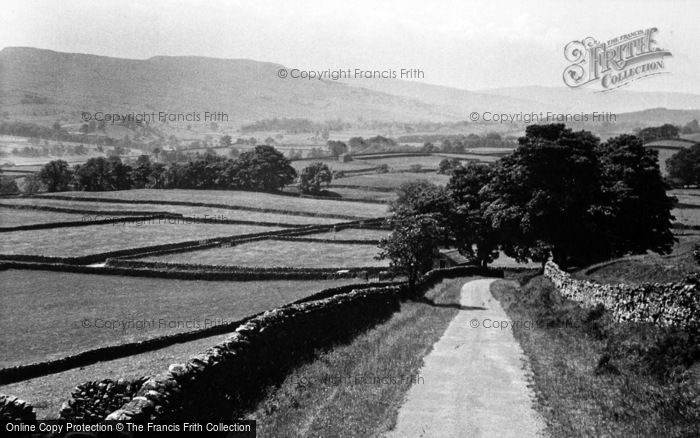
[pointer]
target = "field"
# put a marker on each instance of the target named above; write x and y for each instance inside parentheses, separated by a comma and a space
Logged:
(274, 253)
(11, 217)
(244, 199)
(44, 314)
(353, 193)
(351, 234)
(198, 212)
(333, 164)
(404, 163)
(651, 267)
(389, 180)
(94, 239)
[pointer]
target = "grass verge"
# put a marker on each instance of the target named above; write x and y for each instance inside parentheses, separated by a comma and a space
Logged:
(357, 389)
(594, 377)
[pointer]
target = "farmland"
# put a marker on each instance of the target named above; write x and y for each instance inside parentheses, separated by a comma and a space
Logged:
(389, 180)
(350, 234)
(10, 217)
(274, 253)
(198, 212)
(243, 199)
(80, 241)
(43, 313)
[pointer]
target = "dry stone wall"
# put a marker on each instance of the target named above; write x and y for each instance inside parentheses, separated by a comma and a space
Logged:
(664, 304)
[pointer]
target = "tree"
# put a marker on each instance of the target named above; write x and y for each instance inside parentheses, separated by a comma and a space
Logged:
(102, 174)
(542, 196)
(225, 141)
(637, 211)
(336, 148)
(56, 176)
(313, 176)
(658, 132)
(472, 231)
(684, 166)
(448, 165)
(411, 246)
(141, 173)
(8, 185)
(32, 184)
(691, 127)
(263, 168)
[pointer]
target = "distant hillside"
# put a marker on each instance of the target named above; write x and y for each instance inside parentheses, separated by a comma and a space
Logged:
(43, 86)
(581, 99)
(35, 83)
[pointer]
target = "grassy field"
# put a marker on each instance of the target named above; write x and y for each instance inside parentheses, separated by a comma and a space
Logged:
(390, 180)
(650, 267)
(333, 164)
(243, 199)
(362, 194)
(351, 234)
(47, 393)
(94, 239)
(198, 212)
(47, 315)
(687, 196)
(404, 163)
(320, 399)
(274, 253)
(594, 377)
(10, 217)
(687, 216)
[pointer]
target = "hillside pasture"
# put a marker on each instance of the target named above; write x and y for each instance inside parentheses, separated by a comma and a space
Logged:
(242, 199)
(369, 195)
(95, 239)
(687, 216)
(11, 217)
(48, 315)
(649, 267)
(198, 212)
(333, 164)
(350, 234)
(405, 162)
(389, 180)
(279, 253)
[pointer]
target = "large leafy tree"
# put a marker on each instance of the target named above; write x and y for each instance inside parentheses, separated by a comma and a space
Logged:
(637, 209)
(263, 168)
(422, 197)
(472, 231)
(412, 245)
(684, 166)
(313, 176)
(543, 196)
(56, 176)
(102, 174)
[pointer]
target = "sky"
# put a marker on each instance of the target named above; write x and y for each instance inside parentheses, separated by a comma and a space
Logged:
(463, 44)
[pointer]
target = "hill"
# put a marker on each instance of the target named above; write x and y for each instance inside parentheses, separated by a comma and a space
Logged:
(39, 83)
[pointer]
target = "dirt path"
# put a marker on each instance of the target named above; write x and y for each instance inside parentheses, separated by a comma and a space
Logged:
(474, 380)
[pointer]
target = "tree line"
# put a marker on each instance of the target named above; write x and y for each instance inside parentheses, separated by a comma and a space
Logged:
(561, 194)
(263, 169)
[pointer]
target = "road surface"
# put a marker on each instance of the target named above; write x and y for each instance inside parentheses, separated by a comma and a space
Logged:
(474, 380)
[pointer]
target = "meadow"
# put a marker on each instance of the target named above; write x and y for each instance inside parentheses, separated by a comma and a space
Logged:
(243, 199)
(95, 239)
(350, 234)
(388, 180)
(44, 314)
(188, 211)
(278, 253)
(11, 217)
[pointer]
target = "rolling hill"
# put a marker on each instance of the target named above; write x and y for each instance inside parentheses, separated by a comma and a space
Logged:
(43, 85)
